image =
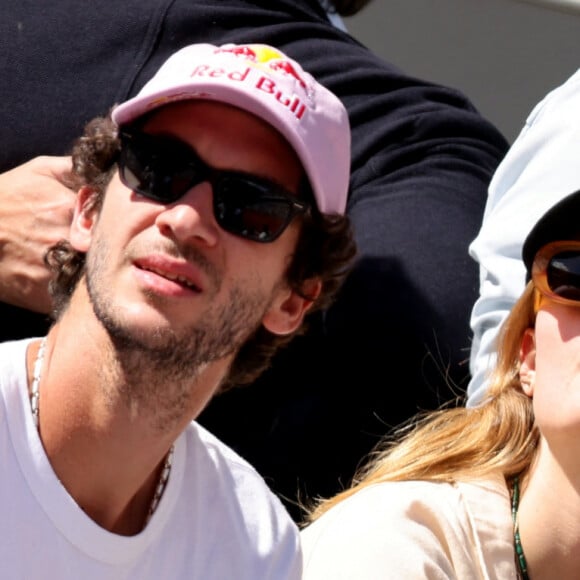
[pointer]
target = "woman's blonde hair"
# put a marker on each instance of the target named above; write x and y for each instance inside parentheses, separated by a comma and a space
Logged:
(463, 443)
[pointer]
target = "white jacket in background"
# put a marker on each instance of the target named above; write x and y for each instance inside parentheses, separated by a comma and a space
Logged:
(541, 167)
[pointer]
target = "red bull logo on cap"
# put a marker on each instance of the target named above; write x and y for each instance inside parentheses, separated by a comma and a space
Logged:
(267, 56)
(268, 60)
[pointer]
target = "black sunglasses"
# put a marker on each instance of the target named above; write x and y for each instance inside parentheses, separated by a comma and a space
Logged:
(164, 169)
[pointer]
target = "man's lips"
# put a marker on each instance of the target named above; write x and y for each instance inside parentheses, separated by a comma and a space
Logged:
(179, 272)
(175, 278)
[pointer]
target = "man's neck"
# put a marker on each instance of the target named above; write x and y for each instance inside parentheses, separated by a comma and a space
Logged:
(106, 451)
(111, 470)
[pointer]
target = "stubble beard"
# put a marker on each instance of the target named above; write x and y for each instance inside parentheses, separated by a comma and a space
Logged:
(156, 371)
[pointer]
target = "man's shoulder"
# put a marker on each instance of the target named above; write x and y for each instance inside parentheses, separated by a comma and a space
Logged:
(233, 501)
(217, 473)
(13, 373)
(12, 355)
(204, 445)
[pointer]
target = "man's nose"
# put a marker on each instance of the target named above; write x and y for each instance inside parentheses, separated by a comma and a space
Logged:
(191, 217)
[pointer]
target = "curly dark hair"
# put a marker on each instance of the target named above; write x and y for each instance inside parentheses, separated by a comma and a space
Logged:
(325, 250)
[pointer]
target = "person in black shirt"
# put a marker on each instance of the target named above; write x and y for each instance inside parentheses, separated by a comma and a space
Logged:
(397, 337)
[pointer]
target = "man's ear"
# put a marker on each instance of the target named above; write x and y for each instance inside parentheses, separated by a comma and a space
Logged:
(528, 362)
(84, 218)
(287, 311)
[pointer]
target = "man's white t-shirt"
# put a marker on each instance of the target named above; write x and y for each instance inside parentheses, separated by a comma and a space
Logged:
(217, 518)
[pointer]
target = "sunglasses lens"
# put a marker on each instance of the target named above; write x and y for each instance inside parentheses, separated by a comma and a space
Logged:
(157, 168)
(563, 275)
(164, 169)
(246, 208)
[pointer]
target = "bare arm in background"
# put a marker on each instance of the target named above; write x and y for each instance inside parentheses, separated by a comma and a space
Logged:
(35, 212)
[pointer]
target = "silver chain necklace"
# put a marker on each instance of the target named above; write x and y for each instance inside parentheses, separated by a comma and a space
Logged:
(34, 406)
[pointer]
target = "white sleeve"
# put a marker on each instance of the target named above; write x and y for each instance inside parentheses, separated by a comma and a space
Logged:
(540, 168)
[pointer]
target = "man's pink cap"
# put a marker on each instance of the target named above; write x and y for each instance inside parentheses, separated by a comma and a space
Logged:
(263, 81)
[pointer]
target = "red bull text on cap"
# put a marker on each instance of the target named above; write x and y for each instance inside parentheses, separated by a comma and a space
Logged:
(263, 81)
